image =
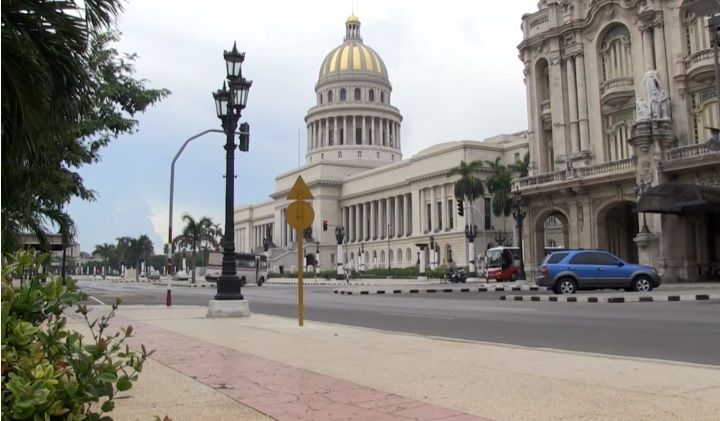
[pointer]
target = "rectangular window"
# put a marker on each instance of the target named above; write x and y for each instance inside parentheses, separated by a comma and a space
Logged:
(428, 217)
(439, 225)
(487, 213)
(332, 258)
(451, 214)
(517, 156)
(342, 136)
(331, 137)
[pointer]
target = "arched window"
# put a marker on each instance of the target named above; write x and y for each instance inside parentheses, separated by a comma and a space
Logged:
(382, 256)
(399, 255)
(408, 254)
(339, 154)
(615, 54)
(330, 96)
(617, 133)
(371, 95)
(357, 94)
(343, 94)
(359, 154)
(390, 256)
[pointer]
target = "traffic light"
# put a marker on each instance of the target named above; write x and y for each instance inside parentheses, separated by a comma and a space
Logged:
(325, 225)
(244, 145)
(460, 208)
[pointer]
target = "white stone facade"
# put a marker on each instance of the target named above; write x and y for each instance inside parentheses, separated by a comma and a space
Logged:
(355, 171)
(594, 144)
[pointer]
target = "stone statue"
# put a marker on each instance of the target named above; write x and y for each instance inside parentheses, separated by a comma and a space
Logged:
(642, 109)
(657, 99)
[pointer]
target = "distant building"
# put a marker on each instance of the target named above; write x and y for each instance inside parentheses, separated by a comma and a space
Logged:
(621, 95)
(355, 171)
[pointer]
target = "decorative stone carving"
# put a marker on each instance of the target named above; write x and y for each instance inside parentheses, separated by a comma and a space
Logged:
(642, 109)
(656, 97)
(580, 216)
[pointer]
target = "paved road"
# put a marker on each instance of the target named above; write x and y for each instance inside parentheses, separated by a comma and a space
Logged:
(681, 331)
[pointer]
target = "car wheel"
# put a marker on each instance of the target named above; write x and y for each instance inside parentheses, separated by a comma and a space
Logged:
(242, 281)
(260, 281)
(566, 286)
(642, 284)
(514, 276)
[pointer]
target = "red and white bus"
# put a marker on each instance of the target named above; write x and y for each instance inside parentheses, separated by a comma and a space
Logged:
(503, 263)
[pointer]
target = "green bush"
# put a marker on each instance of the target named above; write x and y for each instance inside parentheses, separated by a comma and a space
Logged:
(50, 372)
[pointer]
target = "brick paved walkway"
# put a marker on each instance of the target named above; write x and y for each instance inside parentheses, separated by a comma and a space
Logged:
(279, 390)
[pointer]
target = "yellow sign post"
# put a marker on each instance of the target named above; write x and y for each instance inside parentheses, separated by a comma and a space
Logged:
(300, 215)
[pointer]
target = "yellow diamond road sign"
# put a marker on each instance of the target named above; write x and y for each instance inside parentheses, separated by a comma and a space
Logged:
(300, 191)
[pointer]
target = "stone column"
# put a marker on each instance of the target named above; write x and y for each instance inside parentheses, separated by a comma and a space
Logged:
(327, 131)
(388, 217)
(354, 131)
(398, 137)
(397, 228)
(557, 108)
(407, 205)
(572, 105)
(443, 208)
(430, 212)
(346, 221)
(372, 231)
(582, 103)
(358, 223)
(345, 135)
(661, 53)
(647, 37)
(336, 137)
(364, 132)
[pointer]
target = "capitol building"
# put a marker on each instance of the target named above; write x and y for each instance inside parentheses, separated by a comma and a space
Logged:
(391, 209)
(621, 97)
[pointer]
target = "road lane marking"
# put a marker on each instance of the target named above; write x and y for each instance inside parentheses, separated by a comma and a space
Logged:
(421, 316)
(93, 298)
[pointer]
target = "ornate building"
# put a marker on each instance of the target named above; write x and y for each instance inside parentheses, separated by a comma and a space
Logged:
(354, 169)
(621, 94)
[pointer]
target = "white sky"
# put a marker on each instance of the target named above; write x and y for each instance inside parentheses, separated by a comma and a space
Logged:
(453, 66)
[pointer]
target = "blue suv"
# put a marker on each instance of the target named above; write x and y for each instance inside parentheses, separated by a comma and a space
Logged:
(566, 272)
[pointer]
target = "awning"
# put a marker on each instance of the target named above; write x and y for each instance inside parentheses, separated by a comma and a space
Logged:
(678, 198)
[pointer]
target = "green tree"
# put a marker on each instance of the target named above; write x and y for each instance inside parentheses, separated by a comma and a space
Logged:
(141, 249)
(522, 168)
(499, 186)
(122, 250)
(106, 251)
(468, 187)
(65, 95)
(195, 233)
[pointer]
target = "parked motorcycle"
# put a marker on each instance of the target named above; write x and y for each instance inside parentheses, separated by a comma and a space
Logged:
(457, 276)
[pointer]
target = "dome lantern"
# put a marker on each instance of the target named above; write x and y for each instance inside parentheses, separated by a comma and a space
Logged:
(352, 28)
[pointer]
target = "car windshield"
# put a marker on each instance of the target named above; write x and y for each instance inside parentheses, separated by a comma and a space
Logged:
(493, 258)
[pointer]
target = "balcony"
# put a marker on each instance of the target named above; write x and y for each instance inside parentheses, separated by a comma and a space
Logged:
(575, 178)
(699, 62)
(617, 90)
(691, 156)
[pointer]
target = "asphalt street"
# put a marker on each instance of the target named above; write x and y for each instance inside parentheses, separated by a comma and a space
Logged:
(677, 331)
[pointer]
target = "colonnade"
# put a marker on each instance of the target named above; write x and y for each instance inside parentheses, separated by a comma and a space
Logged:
(378, 219)
(343, 130)
(287, 233)
(259, 233)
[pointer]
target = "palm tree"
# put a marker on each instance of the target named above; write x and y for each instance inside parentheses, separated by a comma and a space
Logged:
(105, 251)
(500, 185)
(195, 233)
(521, 167)
(468, 187)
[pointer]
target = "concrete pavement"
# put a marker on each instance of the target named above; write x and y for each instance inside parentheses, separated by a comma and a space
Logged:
(266, 366)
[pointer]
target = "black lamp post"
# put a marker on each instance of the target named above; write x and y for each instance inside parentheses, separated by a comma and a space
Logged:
(471, 234)
(362, 257)
(228, 105)
(519, 210)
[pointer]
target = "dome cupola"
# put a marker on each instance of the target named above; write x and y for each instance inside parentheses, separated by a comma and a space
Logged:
(353, 118)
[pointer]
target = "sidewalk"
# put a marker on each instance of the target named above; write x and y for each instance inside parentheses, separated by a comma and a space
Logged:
(266, 367)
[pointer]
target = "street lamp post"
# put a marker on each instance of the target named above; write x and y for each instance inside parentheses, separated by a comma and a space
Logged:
(229, 104)
(471, 234)
(339, 235)
(519, 210)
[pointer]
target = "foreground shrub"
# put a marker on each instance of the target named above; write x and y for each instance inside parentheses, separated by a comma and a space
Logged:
(50, 372)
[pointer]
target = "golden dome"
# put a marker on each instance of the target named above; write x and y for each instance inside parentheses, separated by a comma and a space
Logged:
(353, 56)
